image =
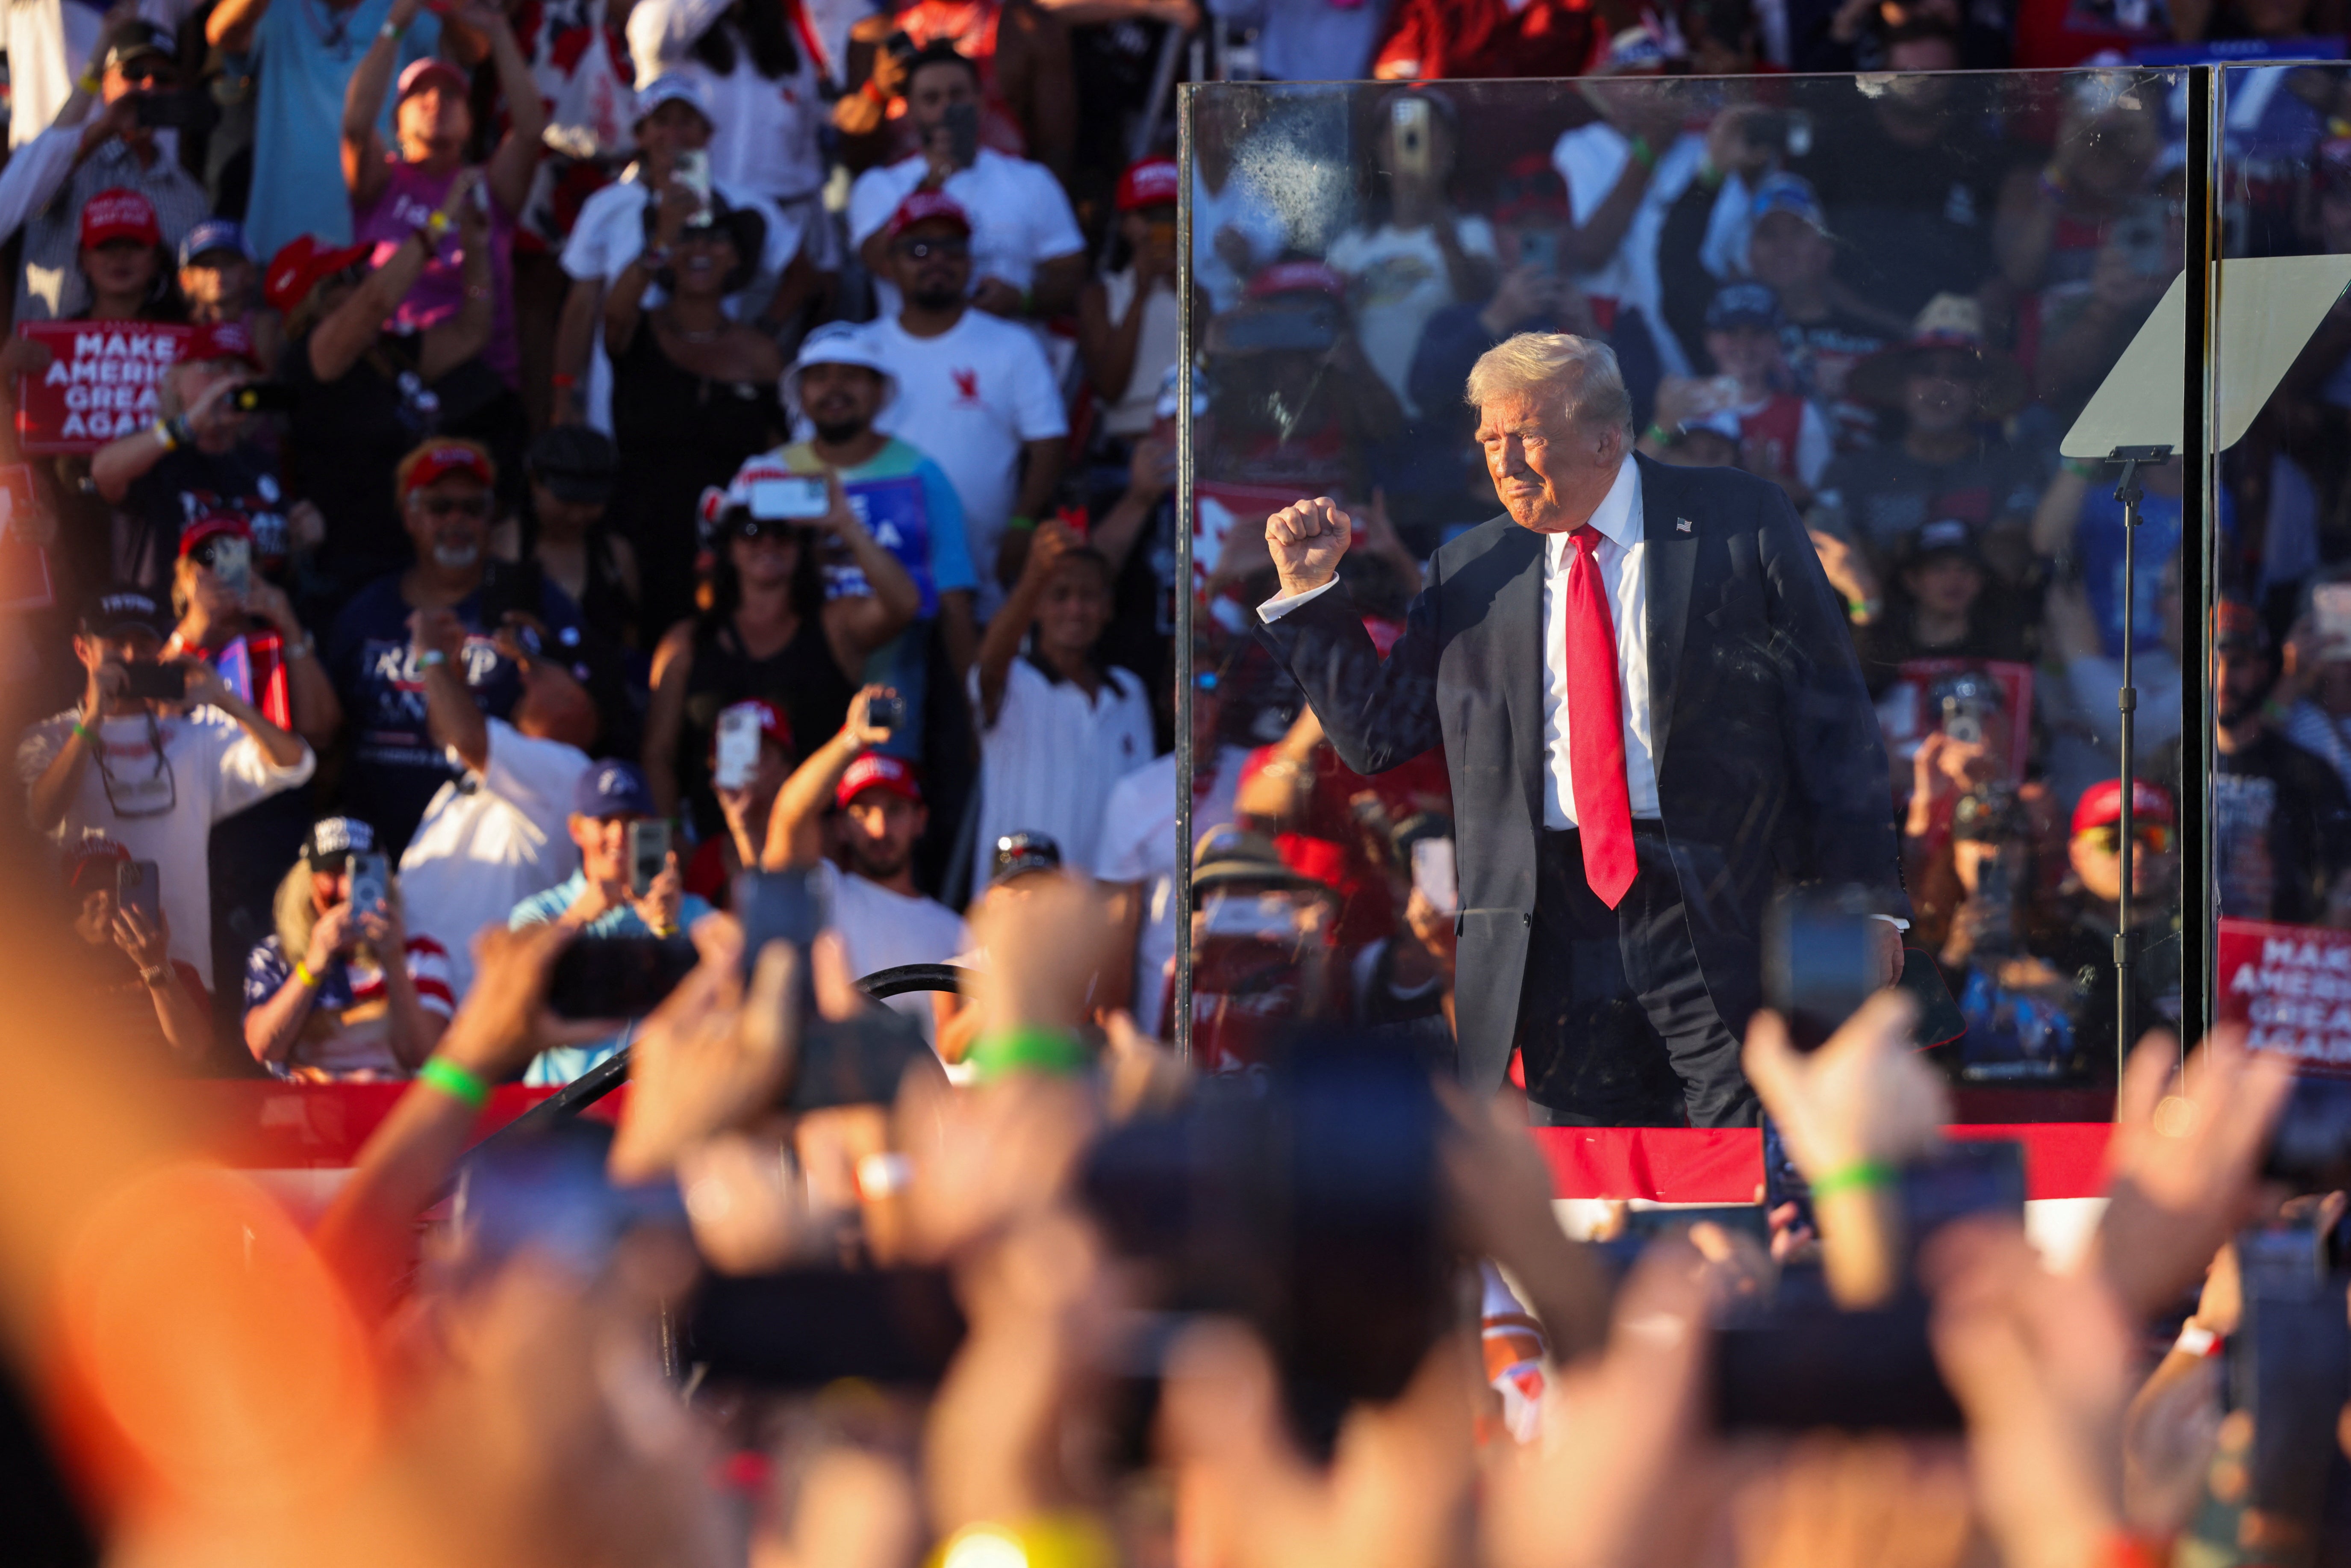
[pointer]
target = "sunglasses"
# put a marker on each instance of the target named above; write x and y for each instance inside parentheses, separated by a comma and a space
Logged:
(2153, 837)
(452, 506)
(747, 529)
(923, 249)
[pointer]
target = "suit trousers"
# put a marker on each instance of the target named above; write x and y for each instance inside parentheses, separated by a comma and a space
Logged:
(1616, 1028)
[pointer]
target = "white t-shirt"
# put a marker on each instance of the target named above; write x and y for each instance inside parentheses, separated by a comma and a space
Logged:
(882, 929)
(490, 840)
(1591, 159)
(610, 232)
(1131, 411)
(1396, 280)
(1138, 845)
(1049, 762)
(764, 135)
(1245, 209)
(209, 769)
(1020, 216)
(969, 398)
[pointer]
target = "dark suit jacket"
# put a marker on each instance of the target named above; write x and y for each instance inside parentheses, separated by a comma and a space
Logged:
(1771, 767)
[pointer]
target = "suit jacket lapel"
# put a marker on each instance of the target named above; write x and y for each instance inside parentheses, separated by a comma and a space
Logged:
(1673, 561)
(1518, 618)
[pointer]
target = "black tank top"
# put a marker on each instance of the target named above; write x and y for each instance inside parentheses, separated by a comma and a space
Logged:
(801, 679)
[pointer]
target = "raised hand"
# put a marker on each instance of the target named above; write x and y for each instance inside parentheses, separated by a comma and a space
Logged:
(1307, 538)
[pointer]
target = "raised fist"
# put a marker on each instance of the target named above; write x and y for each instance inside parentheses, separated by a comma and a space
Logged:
(1307, 538)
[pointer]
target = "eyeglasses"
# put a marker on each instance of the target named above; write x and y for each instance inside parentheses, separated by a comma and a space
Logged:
(923, 249)
(2153, 837)
(477, 507)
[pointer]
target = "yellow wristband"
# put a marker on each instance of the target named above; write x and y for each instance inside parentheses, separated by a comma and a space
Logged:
(302, 972)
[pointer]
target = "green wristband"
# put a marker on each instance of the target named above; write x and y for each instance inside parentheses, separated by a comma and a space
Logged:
(1660, 435)
(1020, 524)
(455, 1082)
(89, 736)
(1861, 1176)
(1026, 1048)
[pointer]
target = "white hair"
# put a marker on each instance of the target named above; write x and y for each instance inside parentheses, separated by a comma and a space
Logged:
(1583, 373)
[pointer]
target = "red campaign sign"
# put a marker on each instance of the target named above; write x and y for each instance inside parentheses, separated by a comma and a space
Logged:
(2290, 986)
(24, 565)
(100, 382)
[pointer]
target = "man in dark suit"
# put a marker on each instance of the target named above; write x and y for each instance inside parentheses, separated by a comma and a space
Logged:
(1614, 868)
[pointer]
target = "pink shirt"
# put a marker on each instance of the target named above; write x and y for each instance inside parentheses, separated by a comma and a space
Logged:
(410, 197)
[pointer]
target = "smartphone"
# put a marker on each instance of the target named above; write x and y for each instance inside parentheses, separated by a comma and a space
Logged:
(1435, 875)
(857, 1061)
(887, 711)
(811, 1328)
(263, 397)
(233, 563)
(1539, 249)
(794, 498)
(618, 977)
(2330, 604)
(962, 122)
(166, 110)
(138, 884)
(648, 854)
(1820, 962)
(778, 907)
(692, 170)
(148, 678)
(738, 747)
(1408, 122)
(1796, 1369)
(371, 883)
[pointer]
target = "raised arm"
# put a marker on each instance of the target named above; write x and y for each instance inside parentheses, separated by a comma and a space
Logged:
(796, 823)
(1002, 642)
(350, 328)
(510, 167)
(450, 344)
(856, 626)
(437, 639)
(665, 717)
(231, 23)
(363, 171)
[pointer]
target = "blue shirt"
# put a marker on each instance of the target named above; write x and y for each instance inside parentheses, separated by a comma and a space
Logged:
(304, 52)
(555, 1067)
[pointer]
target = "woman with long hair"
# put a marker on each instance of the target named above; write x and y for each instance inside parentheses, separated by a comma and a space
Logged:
(339, 991)
(772, 632)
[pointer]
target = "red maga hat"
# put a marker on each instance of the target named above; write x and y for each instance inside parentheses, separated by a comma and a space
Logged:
(1149, 182)
(879, 771)
(928, 206)
(2102, 804)
(120, 214)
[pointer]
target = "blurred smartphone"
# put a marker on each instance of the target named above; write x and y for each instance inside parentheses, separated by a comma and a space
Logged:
(233, 563)
(166, 110)
(2330, 604)
(796, 499)
(1408, 119)
(371, 883)
(962, 122)
(778, 907)
(1539, 249)
(263, 397)
(1435, 875)
(648, 854)
(138, 884)
(692, 169)
(1792, 1371)
(1968, 1176)
(887, 711)
(1820, 963)
(738, 747)
(809, 1328)
(150, 678)
(618, 977)
(856, 1061)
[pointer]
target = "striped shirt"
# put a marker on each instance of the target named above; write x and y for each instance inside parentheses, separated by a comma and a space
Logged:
(50, 287)
(1048, 761)
(347, 1033)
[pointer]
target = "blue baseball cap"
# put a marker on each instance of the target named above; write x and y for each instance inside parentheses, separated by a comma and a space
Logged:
(1789, 193)
(613, 789)
(214, 234)
(1737, 305)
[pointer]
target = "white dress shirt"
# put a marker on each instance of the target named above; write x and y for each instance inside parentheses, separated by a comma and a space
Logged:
(1624, 576)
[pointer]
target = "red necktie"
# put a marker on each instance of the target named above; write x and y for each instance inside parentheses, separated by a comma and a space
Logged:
(1596, 726)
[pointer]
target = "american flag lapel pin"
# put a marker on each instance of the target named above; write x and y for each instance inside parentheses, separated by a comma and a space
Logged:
(1683, 524)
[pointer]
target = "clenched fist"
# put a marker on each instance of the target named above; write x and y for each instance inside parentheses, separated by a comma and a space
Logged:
(1307, 538)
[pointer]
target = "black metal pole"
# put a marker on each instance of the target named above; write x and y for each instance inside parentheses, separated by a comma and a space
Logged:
(2127, 699)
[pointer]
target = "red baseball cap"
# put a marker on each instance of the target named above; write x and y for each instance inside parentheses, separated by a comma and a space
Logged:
(1149, 182)
(119, 213)
(2102, 805)
(301, 266)
(1297, 277)
(878, 770)
(444, 458)
(213, 527)
(927, 206)
(92, 852)
(420, 73)
(224, 340)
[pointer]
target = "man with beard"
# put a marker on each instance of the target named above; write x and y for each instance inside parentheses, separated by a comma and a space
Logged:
(877, 816)
(446, 503)
(840, 382)
(2281, 821)
(977, 390)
